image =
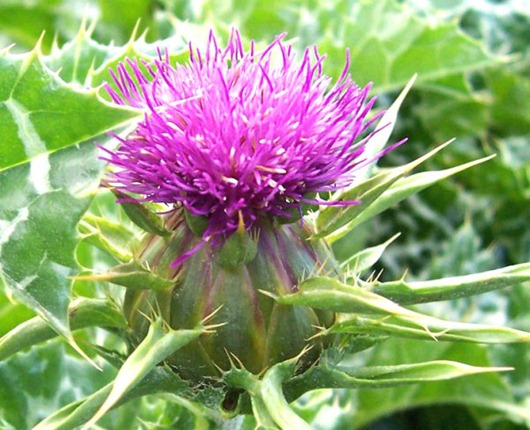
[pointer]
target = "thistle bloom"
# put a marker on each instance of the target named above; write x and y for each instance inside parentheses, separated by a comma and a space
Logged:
(238, 137)
(235, 143)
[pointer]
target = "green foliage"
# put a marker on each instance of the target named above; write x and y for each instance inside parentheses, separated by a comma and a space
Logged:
(35, 105)
(472, 60)
(156, 347)
(82, 312)
(363, 406)
(42, 201)
(38, 382)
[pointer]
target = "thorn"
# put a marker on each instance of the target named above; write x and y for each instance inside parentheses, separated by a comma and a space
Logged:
(231, 358)
(221, 371)
(241, 224)
(405, 273)
(134, 33)
(377, 276)
(436, 335)
(55, 47)
(77, 348)
(211, 328)
(210, 316)
(239, 362)
(91, 27)
(269, 294)
(305, 350)
(38, 45)
(322, 331)
(5, 51)
(96, 277)
(147, 317)
(296, 359)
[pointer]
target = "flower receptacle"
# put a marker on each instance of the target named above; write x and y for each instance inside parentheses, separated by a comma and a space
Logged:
(255, 329)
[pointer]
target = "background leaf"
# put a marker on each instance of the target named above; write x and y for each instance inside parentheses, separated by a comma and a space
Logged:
(49, 176)
(474, 89)
(42, 380)
(35, 105)
(39, 212)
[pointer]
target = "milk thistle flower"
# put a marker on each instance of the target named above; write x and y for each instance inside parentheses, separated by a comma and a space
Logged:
(239, 137)
(236, 143)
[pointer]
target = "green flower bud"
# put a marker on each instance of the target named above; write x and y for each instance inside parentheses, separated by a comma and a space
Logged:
(230, 280)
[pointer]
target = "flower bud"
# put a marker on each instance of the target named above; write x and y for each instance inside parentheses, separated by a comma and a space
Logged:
(237, 145)
(256, 332)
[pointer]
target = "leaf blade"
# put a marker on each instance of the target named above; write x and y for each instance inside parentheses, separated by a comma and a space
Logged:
(35, 104)
(157, 346)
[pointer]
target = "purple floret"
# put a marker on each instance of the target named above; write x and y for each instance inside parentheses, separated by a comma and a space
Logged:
(238, 136)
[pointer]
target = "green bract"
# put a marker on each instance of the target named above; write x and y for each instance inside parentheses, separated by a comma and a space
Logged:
(255, 331)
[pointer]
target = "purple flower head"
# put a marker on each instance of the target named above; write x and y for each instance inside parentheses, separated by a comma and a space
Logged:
(238, 136)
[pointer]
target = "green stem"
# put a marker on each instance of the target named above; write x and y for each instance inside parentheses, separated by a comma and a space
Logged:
(271, 409)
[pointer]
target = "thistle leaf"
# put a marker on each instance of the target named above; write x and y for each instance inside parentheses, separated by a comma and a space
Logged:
(428, 328)
(274, 399)
(157, 346)
(386, 124)
(109, 236)
(32, 384)
(41, 203)
(269, 405)
(384, 317)
(83, 313)
(330, 294)
(366, 258)
(145, 218)
(399, 191)
(35, 104)
(76, 59)
(47, 176)
(132, 275)
(323, 376)
(74, 415)
(406, 293)
(332, 218)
